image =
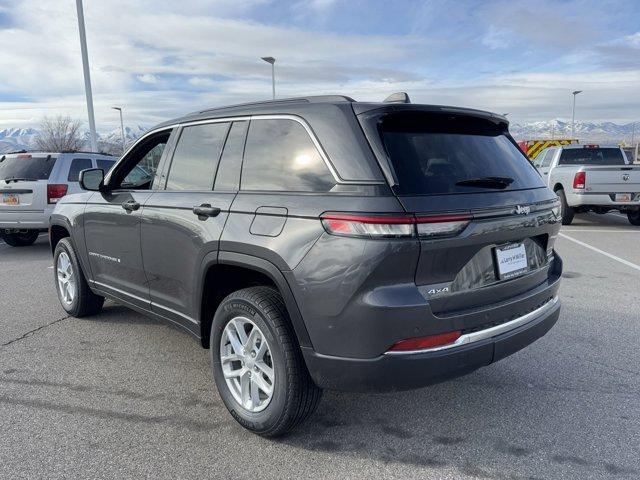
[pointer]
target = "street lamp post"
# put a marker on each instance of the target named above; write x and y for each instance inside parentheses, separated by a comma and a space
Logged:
(573, 113)
(121, 128)
(87, 77)
(272, 61)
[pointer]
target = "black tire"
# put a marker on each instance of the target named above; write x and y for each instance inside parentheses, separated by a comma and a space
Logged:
(634, 218)
(567, 211)
(85, 302)
(20, 239)
(295, 396)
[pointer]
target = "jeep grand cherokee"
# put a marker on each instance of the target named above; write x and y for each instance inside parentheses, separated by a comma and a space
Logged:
(321, 242)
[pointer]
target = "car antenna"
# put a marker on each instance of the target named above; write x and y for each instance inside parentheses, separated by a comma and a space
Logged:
(398, 97)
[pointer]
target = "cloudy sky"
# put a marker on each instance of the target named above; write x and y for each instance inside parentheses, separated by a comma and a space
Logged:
(160, 59)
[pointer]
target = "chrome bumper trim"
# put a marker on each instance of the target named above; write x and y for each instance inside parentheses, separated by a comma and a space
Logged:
(488, 332)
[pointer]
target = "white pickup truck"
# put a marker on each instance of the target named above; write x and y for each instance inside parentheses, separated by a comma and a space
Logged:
(594, 178)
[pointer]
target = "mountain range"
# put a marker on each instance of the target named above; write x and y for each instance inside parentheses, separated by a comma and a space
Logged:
(13, 139)
(608, 132)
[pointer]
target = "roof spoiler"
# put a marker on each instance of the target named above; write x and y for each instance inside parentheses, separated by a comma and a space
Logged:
(399, 97)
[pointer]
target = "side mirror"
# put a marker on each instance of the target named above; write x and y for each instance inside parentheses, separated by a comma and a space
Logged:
(91, 179)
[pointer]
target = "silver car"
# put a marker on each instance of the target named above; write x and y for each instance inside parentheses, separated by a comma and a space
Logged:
(31, 183)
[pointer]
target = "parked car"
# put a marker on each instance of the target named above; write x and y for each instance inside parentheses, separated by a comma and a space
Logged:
(31, 183)
(596, 178)
(320, 243)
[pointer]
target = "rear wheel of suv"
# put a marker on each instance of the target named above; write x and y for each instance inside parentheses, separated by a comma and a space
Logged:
(257, 364)
(634, 218)
(567, 211)
(20, 239)
(73, 291)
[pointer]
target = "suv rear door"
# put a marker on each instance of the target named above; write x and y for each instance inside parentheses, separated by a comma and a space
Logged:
(183, 220)
(478, 200)
(23, 188)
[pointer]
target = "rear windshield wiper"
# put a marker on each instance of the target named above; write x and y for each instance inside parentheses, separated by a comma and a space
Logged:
(19, 179)
(486, 182)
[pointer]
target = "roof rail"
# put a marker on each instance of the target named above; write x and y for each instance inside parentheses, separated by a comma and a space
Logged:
(284, 101)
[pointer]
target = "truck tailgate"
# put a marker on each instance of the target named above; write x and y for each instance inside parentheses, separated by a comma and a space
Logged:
(610, 179)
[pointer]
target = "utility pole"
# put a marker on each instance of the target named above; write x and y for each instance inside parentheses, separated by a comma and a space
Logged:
(272, 61)
(87, 77)
(124, 143)
(573, 114)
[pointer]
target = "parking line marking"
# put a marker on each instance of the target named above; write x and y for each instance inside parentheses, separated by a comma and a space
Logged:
(594, 230)
(606, 254)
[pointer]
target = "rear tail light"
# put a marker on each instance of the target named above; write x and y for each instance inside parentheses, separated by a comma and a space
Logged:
(442, 225)
(368, 225)
(386, 226)
(422, 343)
(579, 180)
(55, 191)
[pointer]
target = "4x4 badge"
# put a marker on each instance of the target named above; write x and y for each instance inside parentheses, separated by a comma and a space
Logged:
(523, 210)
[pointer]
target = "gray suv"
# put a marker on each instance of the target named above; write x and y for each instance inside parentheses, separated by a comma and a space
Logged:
(321, 242)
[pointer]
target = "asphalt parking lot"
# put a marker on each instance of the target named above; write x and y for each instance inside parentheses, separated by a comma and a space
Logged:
(121, 396)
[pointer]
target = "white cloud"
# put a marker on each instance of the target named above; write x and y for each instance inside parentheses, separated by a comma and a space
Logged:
(159, 60)
(148, 78)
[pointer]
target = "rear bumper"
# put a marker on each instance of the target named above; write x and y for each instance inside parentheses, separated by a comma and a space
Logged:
(587, 199)
(419, 369)
(25, 219)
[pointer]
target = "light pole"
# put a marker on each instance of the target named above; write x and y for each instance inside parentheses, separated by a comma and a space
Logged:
(573, 114)
(87, 77)
(272, 61)
(121, 127)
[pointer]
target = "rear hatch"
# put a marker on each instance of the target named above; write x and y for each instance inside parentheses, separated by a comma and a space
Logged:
(606, 170)
(486, 220)
(23, 181)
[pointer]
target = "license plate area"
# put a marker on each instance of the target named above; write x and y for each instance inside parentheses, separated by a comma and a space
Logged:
(511, 260)
(623, 197)
(10, 199)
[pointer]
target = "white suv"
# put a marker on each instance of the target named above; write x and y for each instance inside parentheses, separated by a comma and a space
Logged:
(31, 183)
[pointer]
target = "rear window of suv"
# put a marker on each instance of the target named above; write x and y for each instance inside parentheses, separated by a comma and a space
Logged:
(434, 154)
(591, 156)
(26, 167)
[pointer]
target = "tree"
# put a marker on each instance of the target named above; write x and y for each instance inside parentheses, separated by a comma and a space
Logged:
(60, 134)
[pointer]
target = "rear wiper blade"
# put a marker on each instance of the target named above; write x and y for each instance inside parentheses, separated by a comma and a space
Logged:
(486, 182)
(19, 179)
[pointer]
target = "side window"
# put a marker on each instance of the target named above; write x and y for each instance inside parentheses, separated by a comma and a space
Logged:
(196, 157)
(77, 165)
(139, 167)
(547, 159)
(105, 164)
(228, 176)
(141, 176)
(280, 156)
(539, 159)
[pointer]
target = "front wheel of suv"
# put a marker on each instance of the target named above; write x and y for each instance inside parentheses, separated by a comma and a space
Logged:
(20, 239)
(73, 291)
(257, 364)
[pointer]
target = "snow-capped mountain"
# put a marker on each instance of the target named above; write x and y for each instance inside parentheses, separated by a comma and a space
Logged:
(584, 131)
(15, 139)
(130, 134)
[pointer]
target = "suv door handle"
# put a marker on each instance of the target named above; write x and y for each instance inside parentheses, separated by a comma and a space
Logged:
(205, 211)
(131, 205)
